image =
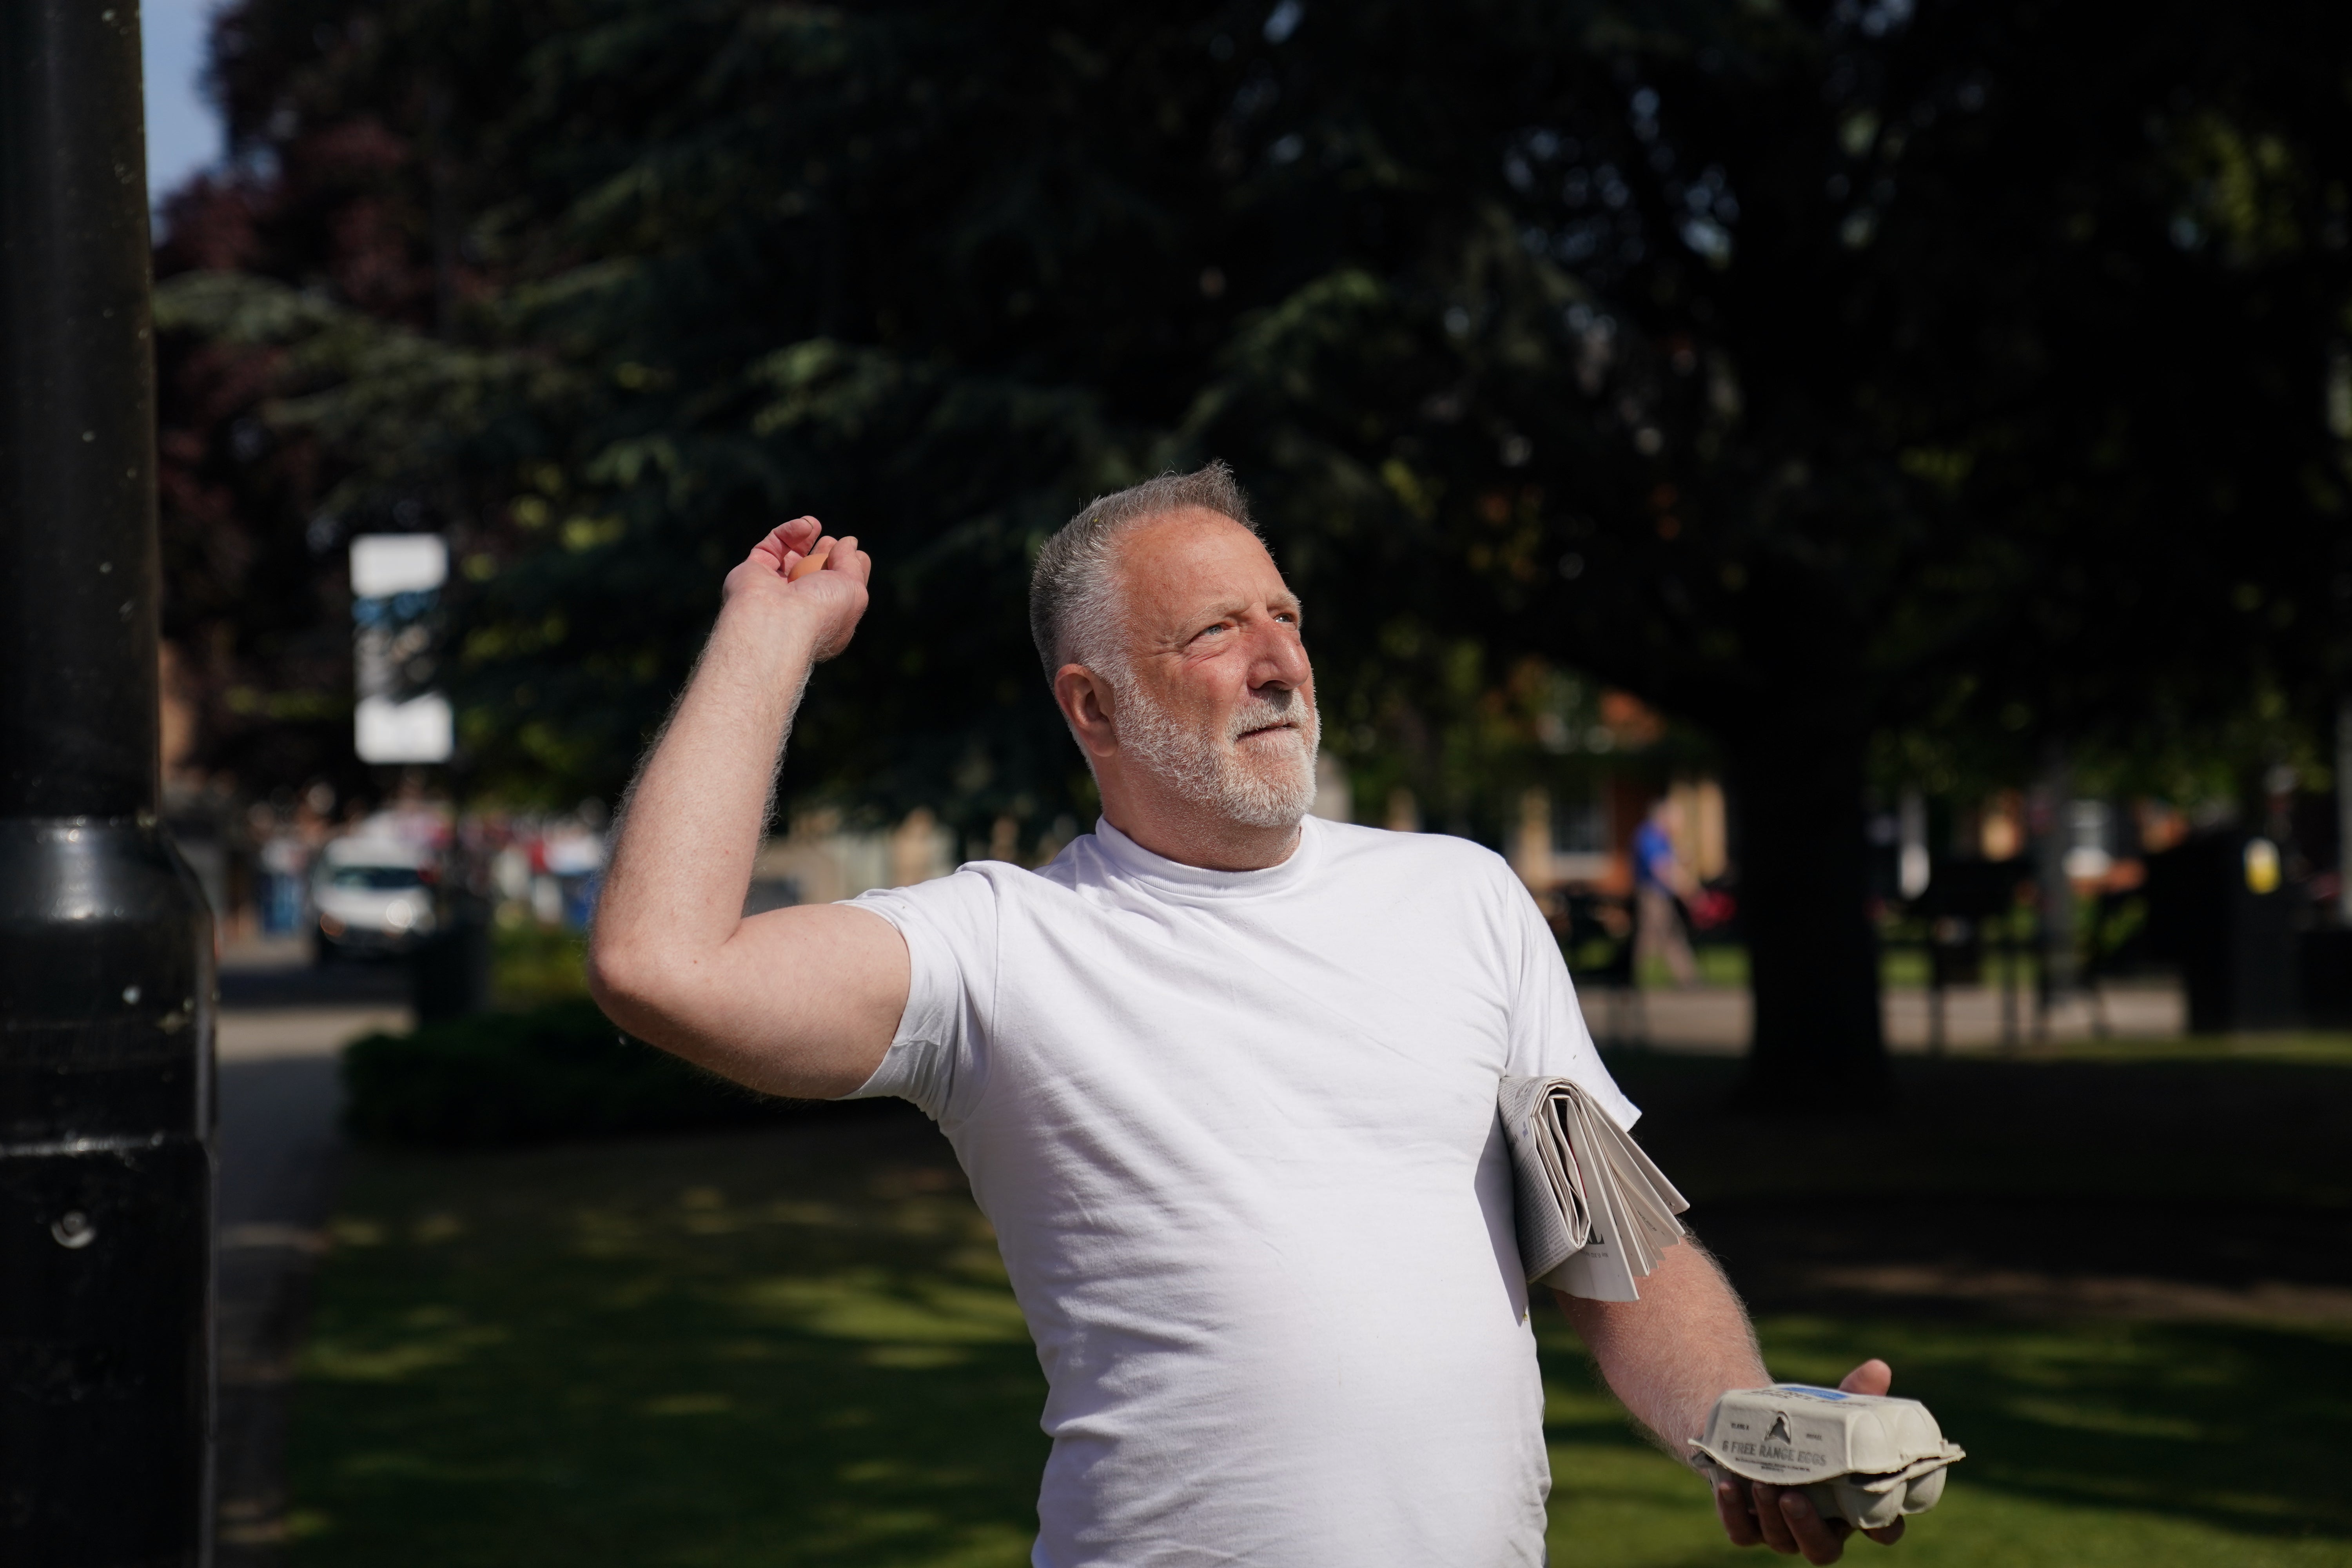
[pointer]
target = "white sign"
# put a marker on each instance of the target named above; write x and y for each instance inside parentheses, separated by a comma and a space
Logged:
(396, 582)
(384, 564)
(421, 730)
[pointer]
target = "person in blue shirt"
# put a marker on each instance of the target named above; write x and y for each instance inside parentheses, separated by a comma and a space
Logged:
(1660, 887)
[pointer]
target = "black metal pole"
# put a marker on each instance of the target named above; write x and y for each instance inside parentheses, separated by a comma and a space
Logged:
(106, 959)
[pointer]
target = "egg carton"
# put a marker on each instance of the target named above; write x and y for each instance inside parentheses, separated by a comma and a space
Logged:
(1867, 1458)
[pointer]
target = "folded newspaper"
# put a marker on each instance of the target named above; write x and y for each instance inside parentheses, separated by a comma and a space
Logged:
(1864, 1457)
(1594, 1212)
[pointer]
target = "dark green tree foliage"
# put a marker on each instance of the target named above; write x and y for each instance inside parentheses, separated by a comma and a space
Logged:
(255, 611)
(328, 217)
(1814, 372)
(756, 262)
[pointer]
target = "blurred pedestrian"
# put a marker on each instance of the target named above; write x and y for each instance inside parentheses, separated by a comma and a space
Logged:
(1223, 1074)
(285, 866)
(1662, 891)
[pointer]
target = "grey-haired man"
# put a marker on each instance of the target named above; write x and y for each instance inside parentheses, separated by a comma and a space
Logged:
(1222, 1076)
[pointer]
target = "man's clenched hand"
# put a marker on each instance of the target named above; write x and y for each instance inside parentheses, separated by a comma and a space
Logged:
(1784, 1518)
(834, 594)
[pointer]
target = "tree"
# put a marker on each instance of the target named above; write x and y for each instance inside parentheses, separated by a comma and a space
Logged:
(1812, 371)
(328, 206)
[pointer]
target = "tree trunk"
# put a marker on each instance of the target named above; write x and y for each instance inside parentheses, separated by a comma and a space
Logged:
(2057, 976)
(1804, 892)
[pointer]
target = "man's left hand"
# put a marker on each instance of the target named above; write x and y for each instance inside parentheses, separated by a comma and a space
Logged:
(1784, 1518)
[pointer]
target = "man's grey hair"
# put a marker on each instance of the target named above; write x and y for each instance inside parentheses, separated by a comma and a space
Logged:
(1076, 615)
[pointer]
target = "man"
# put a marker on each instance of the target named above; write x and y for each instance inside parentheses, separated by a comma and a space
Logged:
(1222, 1076)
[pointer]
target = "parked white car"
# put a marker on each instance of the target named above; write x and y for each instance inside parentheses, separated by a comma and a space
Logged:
(369, 895)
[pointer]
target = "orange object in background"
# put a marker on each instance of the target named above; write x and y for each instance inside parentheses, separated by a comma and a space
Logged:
(1633, 722)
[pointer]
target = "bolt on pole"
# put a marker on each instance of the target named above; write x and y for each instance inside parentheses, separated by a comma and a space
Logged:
(106, 950)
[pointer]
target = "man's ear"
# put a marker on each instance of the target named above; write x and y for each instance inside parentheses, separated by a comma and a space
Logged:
(1086, 704)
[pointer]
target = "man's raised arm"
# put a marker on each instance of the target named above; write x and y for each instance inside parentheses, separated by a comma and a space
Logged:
(800, 1002)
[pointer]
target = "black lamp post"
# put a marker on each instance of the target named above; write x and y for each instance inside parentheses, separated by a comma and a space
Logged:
(106, 961)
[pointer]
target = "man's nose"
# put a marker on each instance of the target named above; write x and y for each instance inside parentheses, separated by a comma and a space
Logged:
(1279, 659)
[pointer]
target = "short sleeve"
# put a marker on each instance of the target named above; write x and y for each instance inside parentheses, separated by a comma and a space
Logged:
(938, 1058)
(1549, 1037)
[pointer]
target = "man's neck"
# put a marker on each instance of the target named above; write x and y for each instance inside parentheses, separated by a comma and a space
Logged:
(1184, 831)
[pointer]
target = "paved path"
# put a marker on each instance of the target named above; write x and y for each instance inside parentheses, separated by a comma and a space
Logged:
(1715, 1021)
(281, 1030)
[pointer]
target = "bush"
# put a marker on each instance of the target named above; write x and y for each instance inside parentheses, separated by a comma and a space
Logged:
(560, 1071)
(533, 965)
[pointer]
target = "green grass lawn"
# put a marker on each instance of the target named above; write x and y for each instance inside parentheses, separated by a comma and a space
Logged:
(795, 1346)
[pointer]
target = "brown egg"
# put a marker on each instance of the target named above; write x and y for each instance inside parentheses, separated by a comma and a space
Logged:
(808, 564)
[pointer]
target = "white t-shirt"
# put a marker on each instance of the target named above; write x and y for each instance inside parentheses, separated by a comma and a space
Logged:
(1236, 1133)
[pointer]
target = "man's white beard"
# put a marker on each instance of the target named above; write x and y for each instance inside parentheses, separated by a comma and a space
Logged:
(1271, 785)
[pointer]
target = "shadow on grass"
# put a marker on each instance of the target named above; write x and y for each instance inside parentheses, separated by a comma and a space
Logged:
(2112, 1436)
(795, 1346)
(755, 1349)
(2225, 1425)
(2131, 1121)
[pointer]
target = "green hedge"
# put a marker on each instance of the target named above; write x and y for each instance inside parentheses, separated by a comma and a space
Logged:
(562, 1071)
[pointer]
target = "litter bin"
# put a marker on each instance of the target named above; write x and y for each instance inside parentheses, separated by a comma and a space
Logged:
(2220, 911)
(449, 972)
(2324, 977)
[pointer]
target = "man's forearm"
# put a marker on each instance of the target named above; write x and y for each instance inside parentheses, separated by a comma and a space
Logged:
(682, 861)
(1668, 1355)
